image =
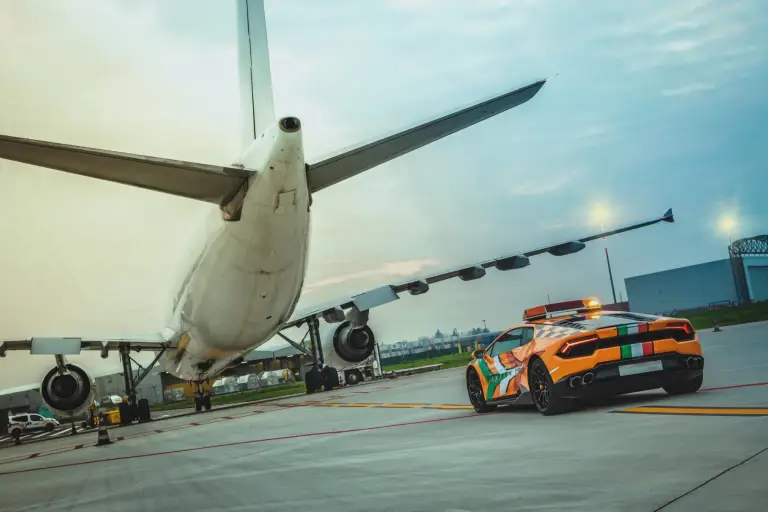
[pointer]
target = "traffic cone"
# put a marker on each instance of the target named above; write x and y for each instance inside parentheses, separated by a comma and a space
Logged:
(717, 327)
(103, 435)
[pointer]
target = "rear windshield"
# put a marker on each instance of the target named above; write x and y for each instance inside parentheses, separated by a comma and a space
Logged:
(604, 320)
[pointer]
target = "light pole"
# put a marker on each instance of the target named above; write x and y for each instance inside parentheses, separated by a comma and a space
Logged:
(610, 274)
(601, 214)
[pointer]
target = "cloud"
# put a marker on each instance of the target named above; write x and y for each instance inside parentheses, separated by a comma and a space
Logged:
(542, 184)
(681, 46)
(388, 270)
(687, 89)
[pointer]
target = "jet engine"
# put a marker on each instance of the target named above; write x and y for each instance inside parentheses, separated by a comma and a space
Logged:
(68, 393)
(346, 344)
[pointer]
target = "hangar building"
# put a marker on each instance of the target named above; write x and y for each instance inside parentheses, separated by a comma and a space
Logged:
(740, 279)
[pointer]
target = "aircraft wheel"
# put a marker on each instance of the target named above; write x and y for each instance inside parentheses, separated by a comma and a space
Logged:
(330, 378)
(313, 380)
(144, 413)
(207, 402)
(126, 416)
(198, 404)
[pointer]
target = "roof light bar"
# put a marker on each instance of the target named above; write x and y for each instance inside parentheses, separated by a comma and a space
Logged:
(587, 304)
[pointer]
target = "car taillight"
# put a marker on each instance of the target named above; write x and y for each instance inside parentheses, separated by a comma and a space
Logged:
(685, 327)
(579, 347)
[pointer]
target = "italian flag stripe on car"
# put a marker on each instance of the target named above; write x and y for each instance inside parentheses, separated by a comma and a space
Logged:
(624, 330)
(637, 350)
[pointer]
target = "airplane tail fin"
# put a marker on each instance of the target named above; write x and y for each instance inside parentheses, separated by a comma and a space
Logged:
(257, 105)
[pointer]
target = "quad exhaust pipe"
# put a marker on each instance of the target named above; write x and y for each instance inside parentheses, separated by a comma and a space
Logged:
(577, 380)
(695, 363)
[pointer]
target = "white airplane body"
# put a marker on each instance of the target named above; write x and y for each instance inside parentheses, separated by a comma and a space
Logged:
(243, 287)
(246, 283)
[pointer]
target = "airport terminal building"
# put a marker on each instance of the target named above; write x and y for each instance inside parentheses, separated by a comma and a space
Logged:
(740, 279)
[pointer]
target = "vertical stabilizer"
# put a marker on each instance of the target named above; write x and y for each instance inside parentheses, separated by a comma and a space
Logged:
(257, 106)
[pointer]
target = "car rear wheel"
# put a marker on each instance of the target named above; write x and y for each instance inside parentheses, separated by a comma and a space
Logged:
(686, 386)
(475, 392)
(543, 391)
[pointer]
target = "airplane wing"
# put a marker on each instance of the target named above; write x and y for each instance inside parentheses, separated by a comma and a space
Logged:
(332, 310)
(213, 183)
(203, 182)
(73, 346)
(351, 162)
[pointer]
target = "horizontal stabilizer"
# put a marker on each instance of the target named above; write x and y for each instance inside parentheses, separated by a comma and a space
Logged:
(192, 180)
(352, 162)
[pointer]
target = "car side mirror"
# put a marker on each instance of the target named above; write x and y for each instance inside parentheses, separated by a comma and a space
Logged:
(478, 354)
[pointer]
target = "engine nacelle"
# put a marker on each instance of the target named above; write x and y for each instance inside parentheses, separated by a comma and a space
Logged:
(344, 345)
(68, 394)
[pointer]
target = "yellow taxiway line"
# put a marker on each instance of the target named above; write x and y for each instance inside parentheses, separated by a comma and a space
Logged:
(699, 411)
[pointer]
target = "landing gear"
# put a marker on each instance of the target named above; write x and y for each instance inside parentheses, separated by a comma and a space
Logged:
(134, 409)
(319, 377)
(202, 399)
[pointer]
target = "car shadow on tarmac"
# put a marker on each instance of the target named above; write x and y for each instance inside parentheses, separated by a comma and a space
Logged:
(613, 402)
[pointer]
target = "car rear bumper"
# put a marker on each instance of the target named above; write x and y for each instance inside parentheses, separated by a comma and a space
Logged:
(607, 380)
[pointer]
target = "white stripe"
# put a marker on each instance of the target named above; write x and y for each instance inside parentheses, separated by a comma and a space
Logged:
(499, 367)
(41, 435)
(637, 349)
(504, 384)
(632, 329)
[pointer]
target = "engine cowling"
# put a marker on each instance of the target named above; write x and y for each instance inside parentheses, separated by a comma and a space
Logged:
(344, 345)
(68, 394)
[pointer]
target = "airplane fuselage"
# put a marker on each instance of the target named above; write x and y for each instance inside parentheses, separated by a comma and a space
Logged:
(247, 279)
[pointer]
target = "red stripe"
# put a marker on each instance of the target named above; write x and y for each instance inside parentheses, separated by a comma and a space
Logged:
(642, 327)
(648, 348)
(735, 386)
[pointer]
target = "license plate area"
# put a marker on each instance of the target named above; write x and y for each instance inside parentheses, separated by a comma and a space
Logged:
(644, 367)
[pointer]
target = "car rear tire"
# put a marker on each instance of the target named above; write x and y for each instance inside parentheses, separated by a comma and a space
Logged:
(475, 392)
(543, 391)
(686, 386)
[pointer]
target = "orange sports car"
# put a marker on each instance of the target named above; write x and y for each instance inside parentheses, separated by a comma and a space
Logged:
(573, 351)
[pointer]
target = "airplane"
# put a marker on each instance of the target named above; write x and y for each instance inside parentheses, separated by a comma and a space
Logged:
(243, 287)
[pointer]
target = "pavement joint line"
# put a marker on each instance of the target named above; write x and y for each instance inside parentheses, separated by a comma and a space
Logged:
(224, 418)
(241, 443)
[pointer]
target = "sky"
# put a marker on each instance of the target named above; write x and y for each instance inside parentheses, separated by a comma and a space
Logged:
(652, 104)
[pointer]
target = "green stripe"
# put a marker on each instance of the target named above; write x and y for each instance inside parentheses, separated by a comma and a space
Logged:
(493, 379)
(622, 330)
(626, 352)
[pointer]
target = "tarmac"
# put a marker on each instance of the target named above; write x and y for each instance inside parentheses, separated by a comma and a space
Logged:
(415, 444)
